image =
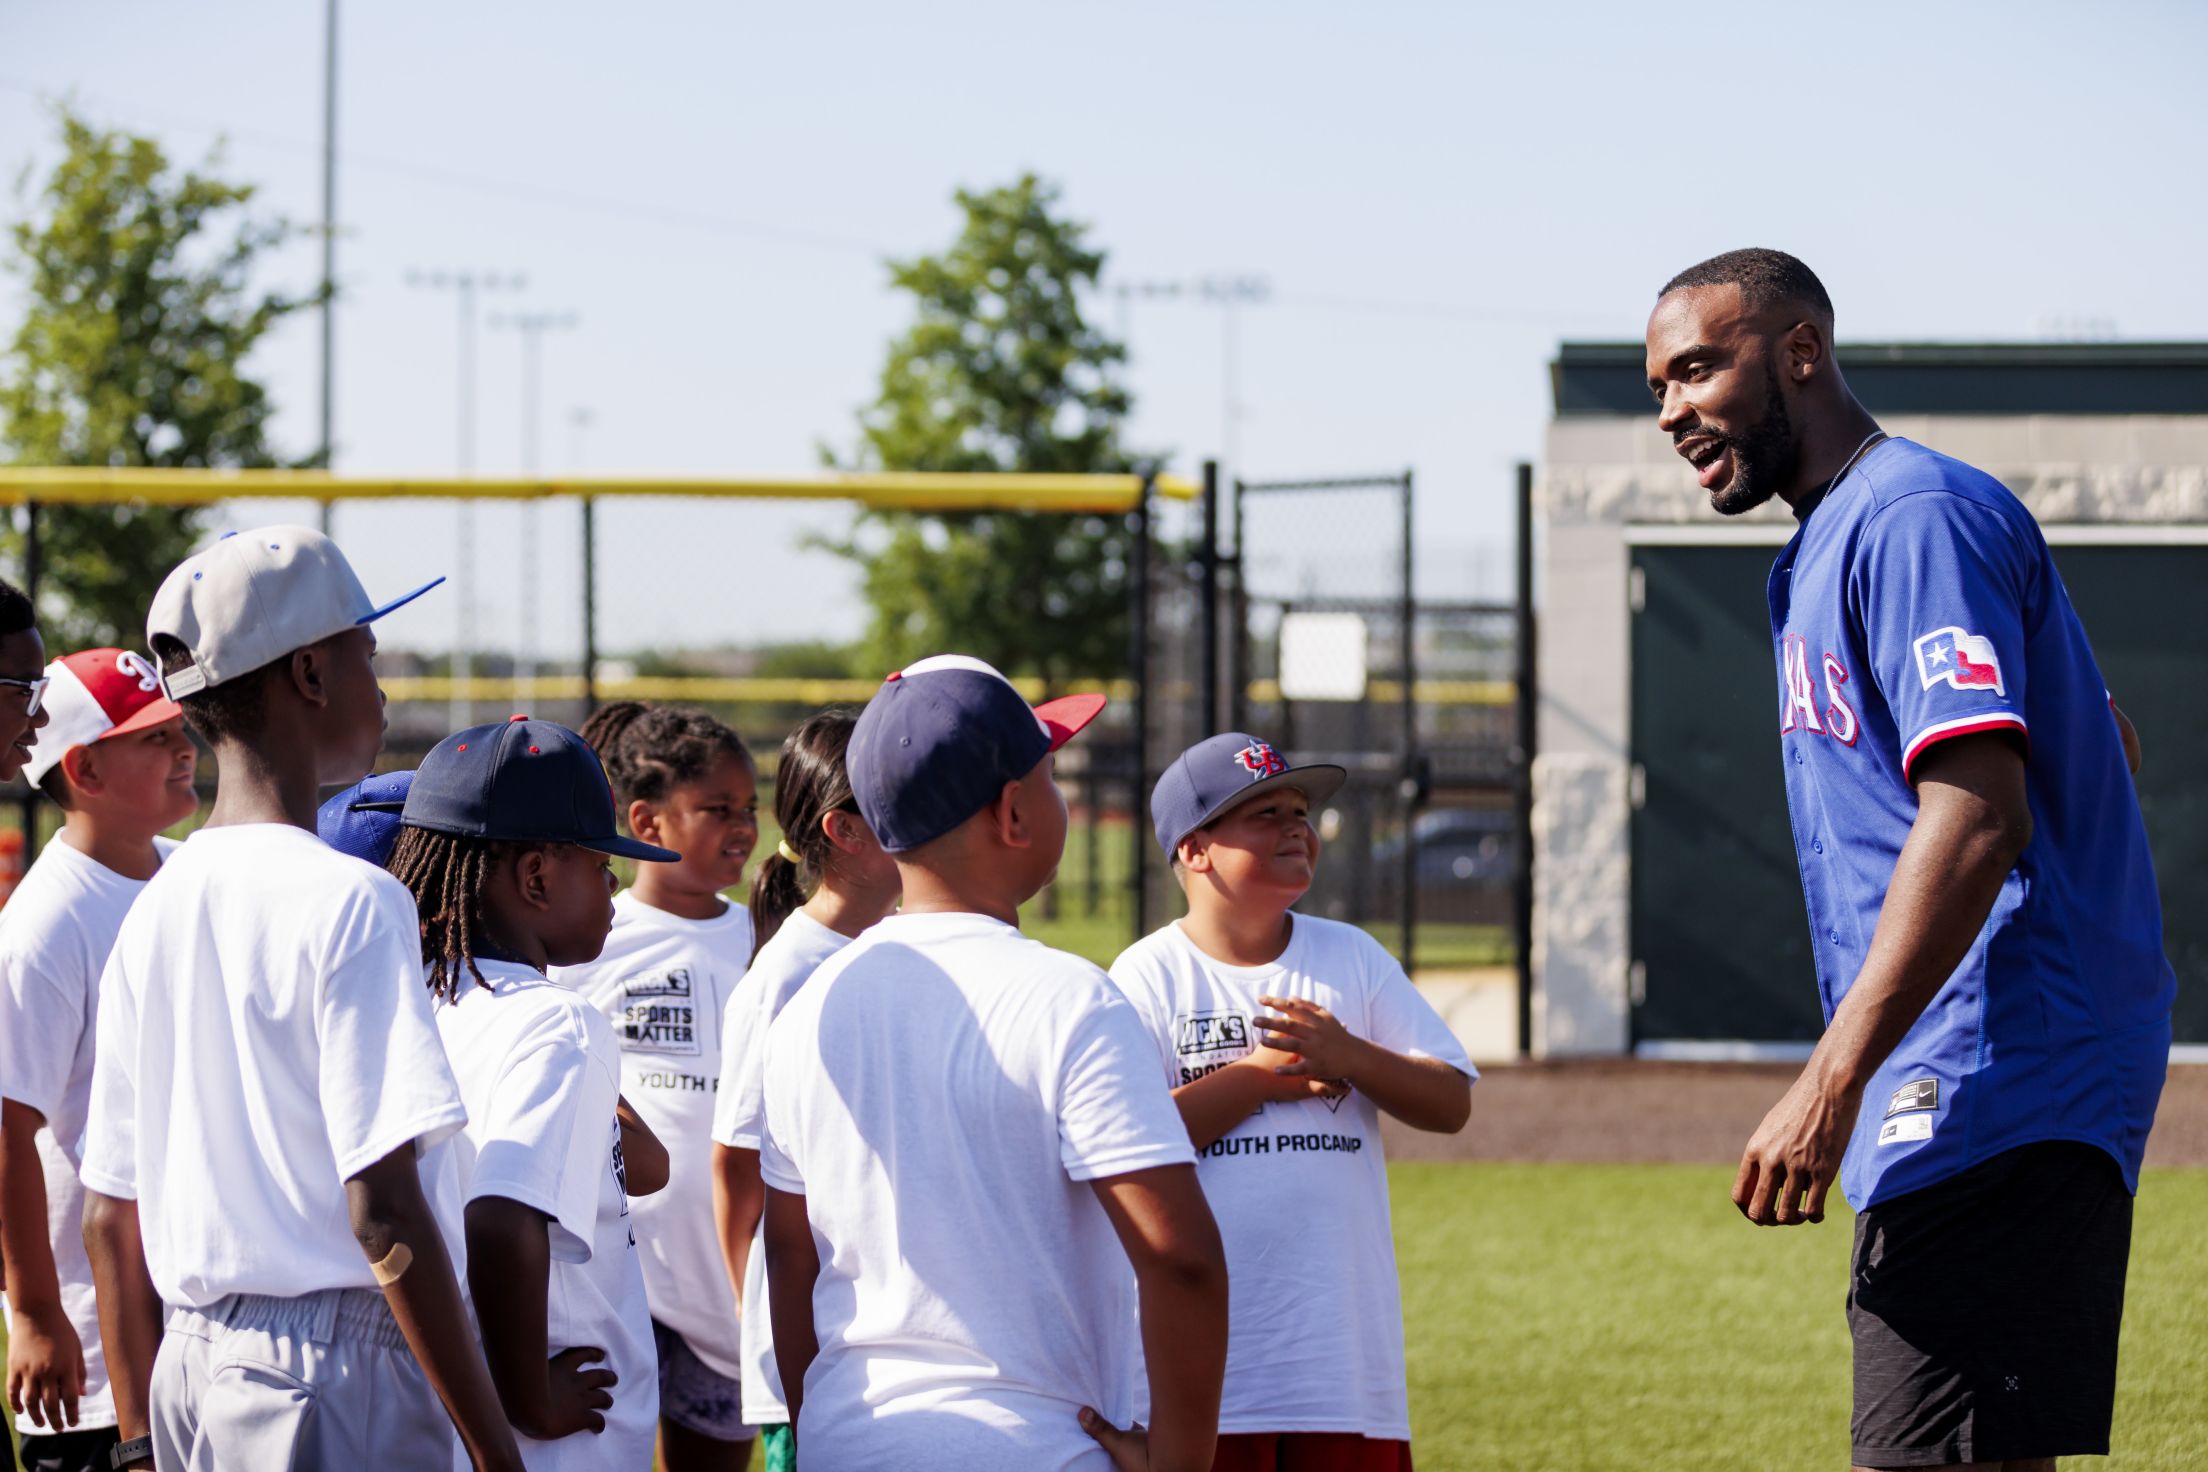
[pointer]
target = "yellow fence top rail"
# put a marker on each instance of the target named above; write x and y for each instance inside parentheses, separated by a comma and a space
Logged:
(1093, 494)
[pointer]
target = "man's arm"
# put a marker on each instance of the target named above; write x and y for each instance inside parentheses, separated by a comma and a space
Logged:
(546, 1396)
(130, 1310)
(1424, 1093)
(1166, 1228)
(392, 1222)
(739, 1198)
(1214, 1104)
(45, 1359)
(793, 1267)
(1973, 822)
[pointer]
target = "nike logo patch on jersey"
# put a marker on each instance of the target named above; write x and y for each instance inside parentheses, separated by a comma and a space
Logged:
(1962, 660)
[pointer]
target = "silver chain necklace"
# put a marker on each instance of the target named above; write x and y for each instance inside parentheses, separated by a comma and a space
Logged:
(1873, 438)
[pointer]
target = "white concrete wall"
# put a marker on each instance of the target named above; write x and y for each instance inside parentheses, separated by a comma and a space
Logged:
(1603, 475)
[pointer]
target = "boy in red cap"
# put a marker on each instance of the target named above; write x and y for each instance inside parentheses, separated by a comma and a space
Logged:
(114, 758)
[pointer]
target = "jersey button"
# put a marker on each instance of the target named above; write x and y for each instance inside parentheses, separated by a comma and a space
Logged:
(1833, 936)
(1817, 845)
(1797, 756)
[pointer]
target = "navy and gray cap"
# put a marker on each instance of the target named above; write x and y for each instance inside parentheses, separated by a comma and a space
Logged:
(1223, 771)
(519, 781)
(939, 741)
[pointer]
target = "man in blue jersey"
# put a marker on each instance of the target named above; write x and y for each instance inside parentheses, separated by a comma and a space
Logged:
(1988, 938)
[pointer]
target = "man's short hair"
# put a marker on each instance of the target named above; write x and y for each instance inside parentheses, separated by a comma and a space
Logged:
(16, 613)
(233, 710)
(1766, 278)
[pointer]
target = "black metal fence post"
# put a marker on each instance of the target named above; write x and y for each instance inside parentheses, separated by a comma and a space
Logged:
(1522, 755)
(590, 606)
(1138, 641)
(31, 557)
(1238, 663)
(1412, 786)
(1208, 560)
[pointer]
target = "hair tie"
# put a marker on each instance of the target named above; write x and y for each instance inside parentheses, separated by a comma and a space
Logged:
(792, 855)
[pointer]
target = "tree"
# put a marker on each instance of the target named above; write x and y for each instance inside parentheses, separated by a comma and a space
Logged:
(1000, 371)
(131, 353)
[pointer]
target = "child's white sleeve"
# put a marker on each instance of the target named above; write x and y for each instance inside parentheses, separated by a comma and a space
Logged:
(382, 1074)
(546, 1136)
(110, 1162)
(778, 1143)
(1403, 1021)
(1115, 1114)
(39, 1026)
(738, 1112)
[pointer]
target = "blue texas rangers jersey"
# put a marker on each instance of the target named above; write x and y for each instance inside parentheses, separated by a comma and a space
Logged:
(1918, 602)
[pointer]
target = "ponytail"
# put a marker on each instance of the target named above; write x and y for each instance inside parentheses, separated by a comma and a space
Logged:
(809, 784)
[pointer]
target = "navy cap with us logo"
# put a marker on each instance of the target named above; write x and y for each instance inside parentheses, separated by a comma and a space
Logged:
(518, 781)
(1223, 771)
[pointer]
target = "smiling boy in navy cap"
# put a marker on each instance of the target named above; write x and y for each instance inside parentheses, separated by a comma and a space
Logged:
(1285, 1038)
(966, 1141)
(506, 834)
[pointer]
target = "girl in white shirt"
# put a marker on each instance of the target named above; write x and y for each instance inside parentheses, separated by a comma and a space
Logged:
(827, 847)
(685, 781)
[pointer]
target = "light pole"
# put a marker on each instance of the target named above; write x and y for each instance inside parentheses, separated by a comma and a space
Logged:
(1228, 293)
(464, 285)
(532, 326)
(329, 248)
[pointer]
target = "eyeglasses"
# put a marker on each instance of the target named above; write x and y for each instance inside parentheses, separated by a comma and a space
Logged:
(34, 692)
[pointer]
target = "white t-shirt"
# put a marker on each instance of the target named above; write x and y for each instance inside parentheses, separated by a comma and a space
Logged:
(784, 964)
(664, 982)
(1300, 1189)
(537, 1066)
(55, 934)
(942, 1092)
(263, 1036)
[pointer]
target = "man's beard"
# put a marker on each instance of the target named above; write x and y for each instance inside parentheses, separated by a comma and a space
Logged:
(1764, 455)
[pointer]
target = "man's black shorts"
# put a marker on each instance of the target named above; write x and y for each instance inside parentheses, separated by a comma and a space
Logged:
(1985, 1310)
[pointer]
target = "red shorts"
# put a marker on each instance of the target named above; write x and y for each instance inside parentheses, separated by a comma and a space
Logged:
(1309, 1451)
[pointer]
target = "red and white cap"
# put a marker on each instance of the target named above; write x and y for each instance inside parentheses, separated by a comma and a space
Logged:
(95, 694)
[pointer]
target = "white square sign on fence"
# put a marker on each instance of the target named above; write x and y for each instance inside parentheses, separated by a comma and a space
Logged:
(1322, 656)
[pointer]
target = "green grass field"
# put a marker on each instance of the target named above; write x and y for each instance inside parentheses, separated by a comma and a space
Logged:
(1586, 1318)
(1581, 1318)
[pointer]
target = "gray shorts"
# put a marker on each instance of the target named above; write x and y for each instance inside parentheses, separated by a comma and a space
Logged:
(325, 1380)
(693, 1394)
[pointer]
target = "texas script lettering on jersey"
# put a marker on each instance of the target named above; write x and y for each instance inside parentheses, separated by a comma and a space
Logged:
(1801, 709)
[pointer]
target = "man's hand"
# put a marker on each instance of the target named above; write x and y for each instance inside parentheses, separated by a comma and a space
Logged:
(575, 1399)
(1325, 1049)
(1795, 1154)
(45, 1367)
(1129, 1449)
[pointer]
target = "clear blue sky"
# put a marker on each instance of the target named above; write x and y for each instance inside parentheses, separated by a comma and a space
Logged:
(1436, 193)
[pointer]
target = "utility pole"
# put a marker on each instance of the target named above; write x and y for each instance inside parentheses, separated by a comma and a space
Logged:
(329, 247)
(1229, 294)
(532, 326)
(464, 285)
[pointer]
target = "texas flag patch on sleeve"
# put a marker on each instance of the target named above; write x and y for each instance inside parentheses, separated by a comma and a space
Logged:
(1962, 660)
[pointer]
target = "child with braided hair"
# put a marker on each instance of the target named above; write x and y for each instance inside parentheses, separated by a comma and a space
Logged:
(826, 882)
(685, 781)
(506, 831)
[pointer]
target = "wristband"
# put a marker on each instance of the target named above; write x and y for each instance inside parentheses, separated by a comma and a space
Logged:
(127, 1453)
